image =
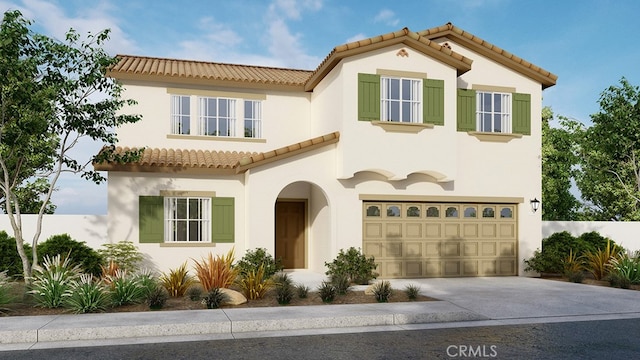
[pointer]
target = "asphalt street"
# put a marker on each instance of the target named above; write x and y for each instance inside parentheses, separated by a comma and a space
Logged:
(609, 339)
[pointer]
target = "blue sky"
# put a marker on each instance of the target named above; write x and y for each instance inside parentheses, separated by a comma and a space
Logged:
(589, 44)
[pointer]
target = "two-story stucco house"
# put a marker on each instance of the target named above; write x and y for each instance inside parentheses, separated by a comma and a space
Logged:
(420, 148)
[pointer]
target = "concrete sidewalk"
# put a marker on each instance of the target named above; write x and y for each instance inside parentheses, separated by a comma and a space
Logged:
(464, 302)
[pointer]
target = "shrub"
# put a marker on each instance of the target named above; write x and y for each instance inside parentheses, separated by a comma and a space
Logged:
(353, 263)
(195, 293)
(284, 288)
(412, 291)
(9, 259)
(253, 259)
(617, 280)
(157, 297)
(124, 254)
(87, 295)
(126, 289)
(574, 267)
(147, 281)
(598, 262)
(327, 291)
(341, 282)
(214, 298)
(557, 247)
(382, 291)
(77, 252)
(52, 284)
(254, 285)
(5, 296)
(626, 269)
(302, 291)
(109, 271)
(216, 272)
(177, 281)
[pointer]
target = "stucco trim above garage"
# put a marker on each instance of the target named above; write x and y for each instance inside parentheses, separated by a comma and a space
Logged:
(436, 198)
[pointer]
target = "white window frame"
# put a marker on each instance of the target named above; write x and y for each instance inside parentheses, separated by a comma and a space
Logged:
(174, 224)
(180, 114)
(209, 116)
(501, 116)
(413, 101)
(253, 119)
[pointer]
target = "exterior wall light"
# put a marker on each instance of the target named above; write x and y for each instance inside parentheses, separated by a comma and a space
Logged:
(535, 204)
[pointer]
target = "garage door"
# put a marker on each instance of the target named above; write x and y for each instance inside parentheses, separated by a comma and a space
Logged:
(412, 240)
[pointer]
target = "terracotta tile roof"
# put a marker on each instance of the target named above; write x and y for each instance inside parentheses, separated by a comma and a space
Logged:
(404, 36)
(210, 161)
(486, 48)
(136, 66)
(175, 70)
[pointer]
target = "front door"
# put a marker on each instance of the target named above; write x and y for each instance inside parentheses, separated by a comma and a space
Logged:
(290, 233)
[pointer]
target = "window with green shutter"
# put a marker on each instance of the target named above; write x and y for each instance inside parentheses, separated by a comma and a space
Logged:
(494, 112)
(466, 110)
(186, 219)
(433, 101)
(151, 219)
(521, 108)
(223, 220)
(368, 97)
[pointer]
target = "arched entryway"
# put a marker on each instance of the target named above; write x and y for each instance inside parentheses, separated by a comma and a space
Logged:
(302, 223)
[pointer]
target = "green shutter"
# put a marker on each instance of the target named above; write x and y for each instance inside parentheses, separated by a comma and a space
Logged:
(433, 101)
(368, 97)
(521, 109)
(222, 220)
(466, 108)
(151, 219)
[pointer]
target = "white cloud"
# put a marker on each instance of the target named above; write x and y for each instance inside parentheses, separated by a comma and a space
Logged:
(357, 37)
(93, 18)
(387, 17)
(286, 47)
(292, 9)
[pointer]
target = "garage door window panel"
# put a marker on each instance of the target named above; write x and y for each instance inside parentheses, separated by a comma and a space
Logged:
(373, 211)
(393, 211)
(470, 212)
(452, 212)
(489, 212)
(506, 213)
(433, 212)
(413, 211)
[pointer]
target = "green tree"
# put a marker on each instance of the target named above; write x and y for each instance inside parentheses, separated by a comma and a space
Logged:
(609, 177)
(558, 162)
(52, 94)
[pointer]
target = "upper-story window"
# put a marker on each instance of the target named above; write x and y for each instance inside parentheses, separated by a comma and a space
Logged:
(401, 99)
(493, 112)
(252, 119)
(180, 114)
(217, 116)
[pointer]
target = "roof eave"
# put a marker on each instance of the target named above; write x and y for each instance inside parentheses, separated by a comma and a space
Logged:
(126, 76)
(499, 55)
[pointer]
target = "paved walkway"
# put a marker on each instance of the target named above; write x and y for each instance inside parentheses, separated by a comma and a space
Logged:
(464, 302)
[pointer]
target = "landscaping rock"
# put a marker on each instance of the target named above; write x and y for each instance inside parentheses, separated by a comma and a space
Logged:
(234, 297)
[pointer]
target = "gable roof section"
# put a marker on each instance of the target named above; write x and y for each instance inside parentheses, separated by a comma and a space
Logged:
(174, 70)
(209, 161)
(493, 52)
(404, 36)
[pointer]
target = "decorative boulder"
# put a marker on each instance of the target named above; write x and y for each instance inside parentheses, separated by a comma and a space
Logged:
(233, 297)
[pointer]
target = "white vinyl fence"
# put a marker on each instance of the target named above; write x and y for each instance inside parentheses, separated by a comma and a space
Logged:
(91, 229)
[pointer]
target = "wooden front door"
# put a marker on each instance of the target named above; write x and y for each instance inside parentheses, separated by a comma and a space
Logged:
(290, 233)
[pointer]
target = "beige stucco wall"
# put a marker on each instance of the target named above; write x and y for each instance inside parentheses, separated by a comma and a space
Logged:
(285, 120)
